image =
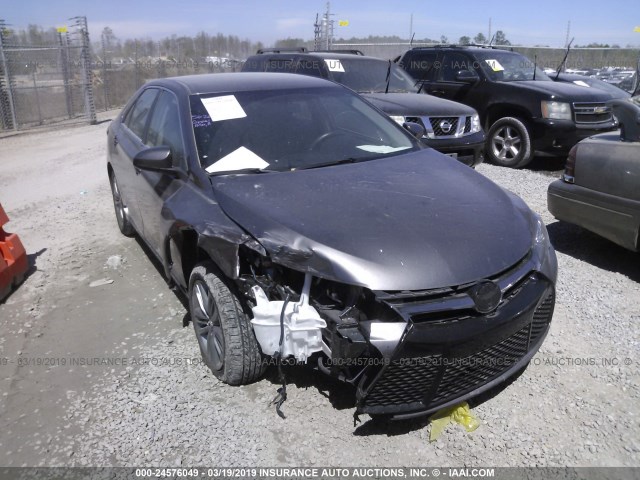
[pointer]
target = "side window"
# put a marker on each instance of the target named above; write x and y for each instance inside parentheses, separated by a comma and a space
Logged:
(164, 127)
(310, 66)
(280, 64)
(420, 65)
(137, 117)
(454, 62)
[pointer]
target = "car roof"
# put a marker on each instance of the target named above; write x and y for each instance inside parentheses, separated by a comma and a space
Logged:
(239, 82)
(506, 48)
(324, 55)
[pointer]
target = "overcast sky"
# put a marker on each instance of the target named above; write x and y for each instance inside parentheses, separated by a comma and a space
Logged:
(542, 22)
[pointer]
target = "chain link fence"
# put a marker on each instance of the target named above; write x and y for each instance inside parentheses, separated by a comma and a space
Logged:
(45, 83)
(69, 81)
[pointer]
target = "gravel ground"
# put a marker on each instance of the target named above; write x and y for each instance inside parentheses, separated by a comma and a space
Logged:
(576, 404)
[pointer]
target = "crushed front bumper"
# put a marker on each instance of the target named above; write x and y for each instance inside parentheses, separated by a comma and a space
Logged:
(442, 360)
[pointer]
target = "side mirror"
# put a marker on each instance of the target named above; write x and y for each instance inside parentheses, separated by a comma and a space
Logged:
(155, 159)
(415, 129)
(467, 76)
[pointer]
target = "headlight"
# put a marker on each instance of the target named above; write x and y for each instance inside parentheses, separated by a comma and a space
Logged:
(541, 235)
(399, 119)
(556, 110)
(543, 253)
(475, 124)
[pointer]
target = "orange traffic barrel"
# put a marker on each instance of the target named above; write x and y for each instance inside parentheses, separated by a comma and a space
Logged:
(13, 258)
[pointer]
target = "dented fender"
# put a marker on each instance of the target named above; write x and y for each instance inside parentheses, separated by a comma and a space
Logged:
(196, 222)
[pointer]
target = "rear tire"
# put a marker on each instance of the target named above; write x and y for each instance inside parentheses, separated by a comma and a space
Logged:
(223, 330)
(122, 215)
(509, 143)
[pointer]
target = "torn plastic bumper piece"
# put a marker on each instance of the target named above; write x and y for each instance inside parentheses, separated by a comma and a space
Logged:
(438, 364)
(13, 259)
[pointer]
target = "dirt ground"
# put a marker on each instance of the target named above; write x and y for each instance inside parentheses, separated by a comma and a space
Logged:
(93, 294)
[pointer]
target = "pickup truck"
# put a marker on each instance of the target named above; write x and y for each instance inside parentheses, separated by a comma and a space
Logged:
(520, 107)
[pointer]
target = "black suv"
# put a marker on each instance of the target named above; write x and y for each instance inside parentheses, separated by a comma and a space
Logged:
(522, 109)
(449, 127)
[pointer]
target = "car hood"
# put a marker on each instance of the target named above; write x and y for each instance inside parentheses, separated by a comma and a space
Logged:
(415, 221)
(417, 104)
(564, 90)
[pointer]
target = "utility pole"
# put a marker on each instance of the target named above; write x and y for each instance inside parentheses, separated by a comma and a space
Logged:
(566, 40)
(89, 104)
(323, 30)
(489, 36)
(317, 35)
(328, 28)
(411, 27)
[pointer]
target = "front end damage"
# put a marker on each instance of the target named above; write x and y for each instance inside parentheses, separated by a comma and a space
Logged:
(407, 353)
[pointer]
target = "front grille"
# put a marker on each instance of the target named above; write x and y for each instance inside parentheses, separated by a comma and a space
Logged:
(542, 317)
(466, 374)
(444, 126)
(424, 382)
(404, 384)
(592, 112)
(467, 125)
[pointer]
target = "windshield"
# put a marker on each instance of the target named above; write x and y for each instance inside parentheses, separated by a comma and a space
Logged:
(279, 130)
(370, 75)
(501, 66)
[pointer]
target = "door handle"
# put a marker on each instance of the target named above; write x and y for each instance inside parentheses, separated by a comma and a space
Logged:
(115, 140)
(437, 92)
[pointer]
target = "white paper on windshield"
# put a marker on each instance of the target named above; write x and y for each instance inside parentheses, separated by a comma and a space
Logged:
(237, 160)
(380, 148)
(581, 83)
(225, 107)
(334, 65)
(495, 65)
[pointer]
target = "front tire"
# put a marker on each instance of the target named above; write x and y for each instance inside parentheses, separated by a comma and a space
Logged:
(225, 336)
(509, 143)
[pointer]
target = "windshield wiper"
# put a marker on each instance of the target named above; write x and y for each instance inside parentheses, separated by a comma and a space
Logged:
(564, 60)
(386, 90)
(241, 171)
(338, 162)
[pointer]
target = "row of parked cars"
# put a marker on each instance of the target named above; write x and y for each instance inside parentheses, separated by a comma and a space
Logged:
(521, 109)
(304, 220)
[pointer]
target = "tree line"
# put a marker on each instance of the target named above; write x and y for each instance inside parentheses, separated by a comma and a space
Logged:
(180, 47)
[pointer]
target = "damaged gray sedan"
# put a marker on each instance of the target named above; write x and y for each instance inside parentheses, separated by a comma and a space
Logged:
(302, 223)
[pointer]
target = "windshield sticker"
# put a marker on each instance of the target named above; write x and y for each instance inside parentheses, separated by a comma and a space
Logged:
(581, 83)
(495, 65)
(237, 160)
(334, 65)
(225, 107)
(381, 148)
(200, 120)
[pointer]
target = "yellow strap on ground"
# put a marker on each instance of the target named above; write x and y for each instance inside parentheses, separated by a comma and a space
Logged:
(459, 414)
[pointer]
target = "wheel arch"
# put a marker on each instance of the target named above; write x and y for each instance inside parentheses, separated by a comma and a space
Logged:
(498, 111)
(188, 246)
